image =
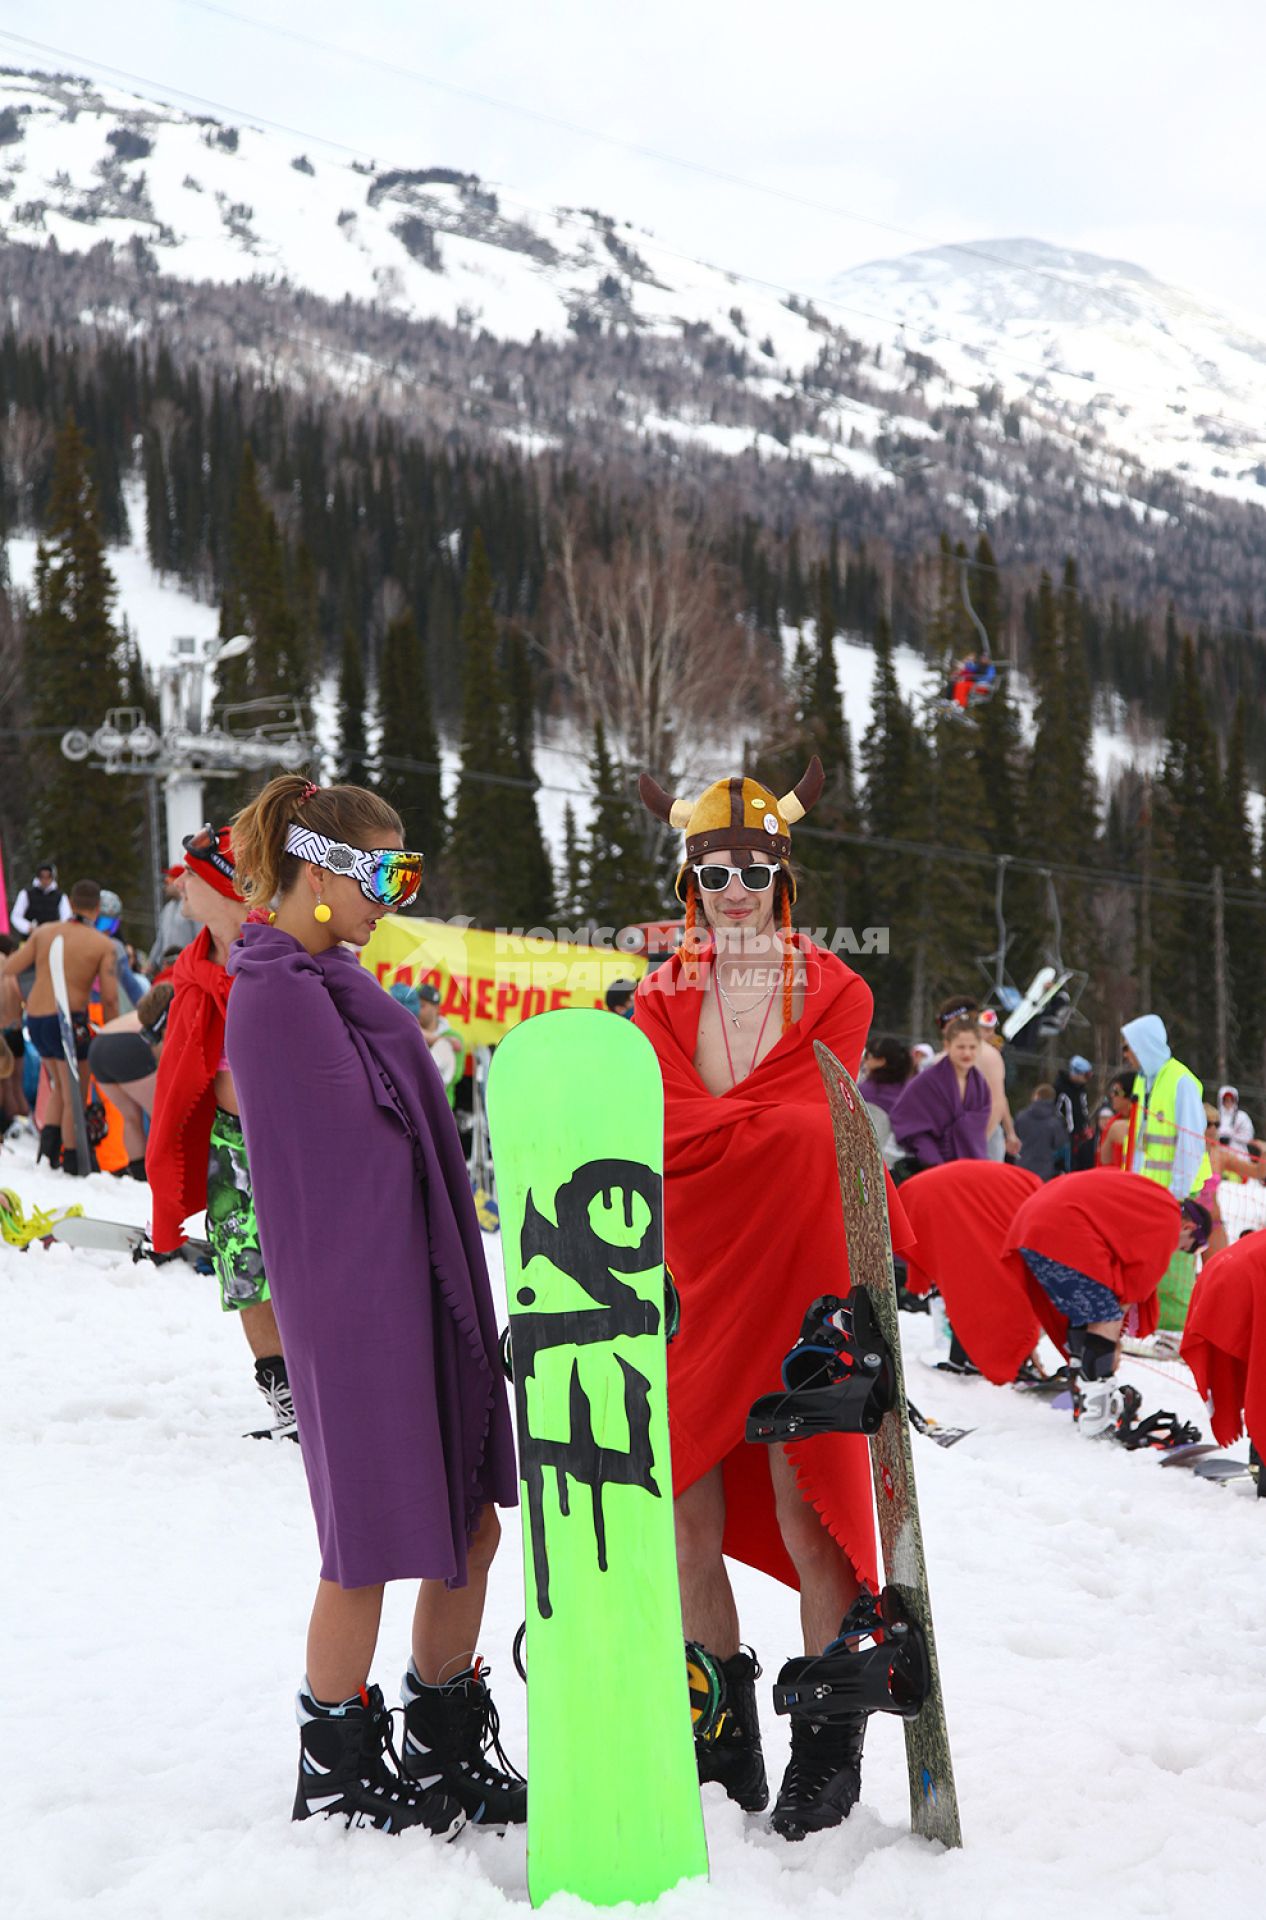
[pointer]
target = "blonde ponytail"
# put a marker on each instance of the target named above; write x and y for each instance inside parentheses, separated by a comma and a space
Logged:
(264, 867)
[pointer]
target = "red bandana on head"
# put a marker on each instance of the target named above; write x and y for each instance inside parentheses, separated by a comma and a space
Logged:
(209, 854)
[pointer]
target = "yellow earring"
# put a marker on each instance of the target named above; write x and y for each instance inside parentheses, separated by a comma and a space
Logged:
(321, 912)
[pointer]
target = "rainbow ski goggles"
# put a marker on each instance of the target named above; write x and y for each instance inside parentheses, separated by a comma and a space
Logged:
(386, 875)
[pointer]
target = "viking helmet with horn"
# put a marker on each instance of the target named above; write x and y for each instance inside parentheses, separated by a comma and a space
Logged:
(735, 813)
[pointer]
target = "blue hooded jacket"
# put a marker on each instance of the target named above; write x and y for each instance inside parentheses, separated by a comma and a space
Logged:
(1148, 1041)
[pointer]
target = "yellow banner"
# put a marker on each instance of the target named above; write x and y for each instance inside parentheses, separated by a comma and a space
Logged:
(489, 982)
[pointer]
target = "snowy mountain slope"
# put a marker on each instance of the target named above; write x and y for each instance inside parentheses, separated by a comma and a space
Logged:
(1097, 1621)
(1089, 342)
(81, 163)
(939, 387)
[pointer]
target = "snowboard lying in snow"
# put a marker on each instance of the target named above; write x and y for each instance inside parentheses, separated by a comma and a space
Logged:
(115, 1236)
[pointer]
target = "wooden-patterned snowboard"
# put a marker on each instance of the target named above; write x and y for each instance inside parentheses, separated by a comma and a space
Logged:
(933, 1800)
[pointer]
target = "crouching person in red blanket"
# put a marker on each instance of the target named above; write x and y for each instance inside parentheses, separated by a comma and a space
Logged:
(753, 1234)
(1091, 1249)
(1224, 1344)
(960, 1215)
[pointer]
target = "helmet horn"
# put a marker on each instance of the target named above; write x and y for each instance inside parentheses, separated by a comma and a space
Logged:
(674, 813)
(794, 805)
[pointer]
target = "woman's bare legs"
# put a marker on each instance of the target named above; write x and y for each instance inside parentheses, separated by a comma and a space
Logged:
(342, 1635)
(446, 1621)
(133, 1105)
(343, 1632)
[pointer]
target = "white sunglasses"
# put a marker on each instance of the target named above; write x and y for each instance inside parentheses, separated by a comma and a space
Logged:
(714, 877)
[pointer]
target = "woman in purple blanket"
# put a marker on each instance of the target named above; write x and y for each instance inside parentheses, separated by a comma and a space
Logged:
(377, 1274)
(943, 1113)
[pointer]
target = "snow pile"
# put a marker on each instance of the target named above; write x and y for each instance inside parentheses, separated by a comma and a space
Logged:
(1098, 1618)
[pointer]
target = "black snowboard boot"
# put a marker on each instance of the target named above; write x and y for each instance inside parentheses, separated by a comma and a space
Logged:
(823, 1781)
(70, 1160)
(449, 1733)
(731, 1752)
(273, 1382)
(50, 1147)
(348, 1766)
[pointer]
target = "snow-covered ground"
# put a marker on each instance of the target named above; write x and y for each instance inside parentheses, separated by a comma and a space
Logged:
(157, 608)
(1099, 1621)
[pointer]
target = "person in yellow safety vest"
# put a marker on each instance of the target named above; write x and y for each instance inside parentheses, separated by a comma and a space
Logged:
(1168, 1142)
(446, 1044)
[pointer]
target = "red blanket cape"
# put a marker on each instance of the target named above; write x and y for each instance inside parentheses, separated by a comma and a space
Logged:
(1224, 1343)
(961, 1214)
(753, 1233)
(179, 1142)
(1117, 1228)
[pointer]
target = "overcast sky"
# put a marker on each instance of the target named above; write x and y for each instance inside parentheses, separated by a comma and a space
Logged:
(1129, 127)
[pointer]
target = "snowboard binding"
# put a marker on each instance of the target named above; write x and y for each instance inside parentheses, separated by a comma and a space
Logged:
(1162, 1429)
(839, 1376)
(705, 1680)
(892, 1675)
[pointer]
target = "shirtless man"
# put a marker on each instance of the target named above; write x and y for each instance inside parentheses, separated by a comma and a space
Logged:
(753, 1231)
(89, 957)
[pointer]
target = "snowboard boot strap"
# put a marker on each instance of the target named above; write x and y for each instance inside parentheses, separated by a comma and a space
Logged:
(449, 1733)
(839, 1376)
(727, 1736)
(1162, 1429)
(892, 1675)
(348, 1765)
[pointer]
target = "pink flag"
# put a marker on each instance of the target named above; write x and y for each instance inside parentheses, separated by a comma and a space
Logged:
(4, 897)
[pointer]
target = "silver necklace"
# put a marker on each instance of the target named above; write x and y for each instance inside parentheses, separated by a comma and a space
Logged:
(736, 1012)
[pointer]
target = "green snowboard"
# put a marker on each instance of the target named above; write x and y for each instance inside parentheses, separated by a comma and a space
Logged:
(576, 1114)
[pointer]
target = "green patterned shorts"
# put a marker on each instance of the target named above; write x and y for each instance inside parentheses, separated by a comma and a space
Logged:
(231, 1226)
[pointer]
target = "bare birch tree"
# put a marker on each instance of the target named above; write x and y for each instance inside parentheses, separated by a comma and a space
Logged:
(645, 641)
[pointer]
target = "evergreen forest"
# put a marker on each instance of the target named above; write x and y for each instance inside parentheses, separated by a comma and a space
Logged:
(460, 598)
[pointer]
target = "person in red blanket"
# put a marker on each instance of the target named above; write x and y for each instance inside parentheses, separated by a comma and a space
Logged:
(196, 1156)
(1091, 1250)
(753, 1233)
(960, 1215)
(1224, 1344)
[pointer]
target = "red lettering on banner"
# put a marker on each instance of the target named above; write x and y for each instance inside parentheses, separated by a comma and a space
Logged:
(382, 968)
(483, 997)
(533, 1002)
(559, 997)
(404, 977)
(508, 995)
(457, 1001)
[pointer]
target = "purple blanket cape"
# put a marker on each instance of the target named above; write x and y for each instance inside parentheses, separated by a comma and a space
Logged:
(935, 1122)
(375, 1263)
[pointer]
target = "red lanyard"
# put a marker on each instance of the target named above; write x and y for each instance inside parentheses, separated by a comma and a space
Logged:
(729, 1061)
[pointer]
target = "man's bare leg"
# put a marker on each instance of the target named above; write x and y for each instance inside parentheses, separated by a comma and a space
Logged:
(259, 1324)
(828, 1584)
(709, 1614)
(55, 1105)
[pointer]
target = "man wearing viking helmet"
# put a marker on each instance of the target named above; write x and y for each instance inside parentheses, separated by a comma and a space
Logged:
(753, 1234)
